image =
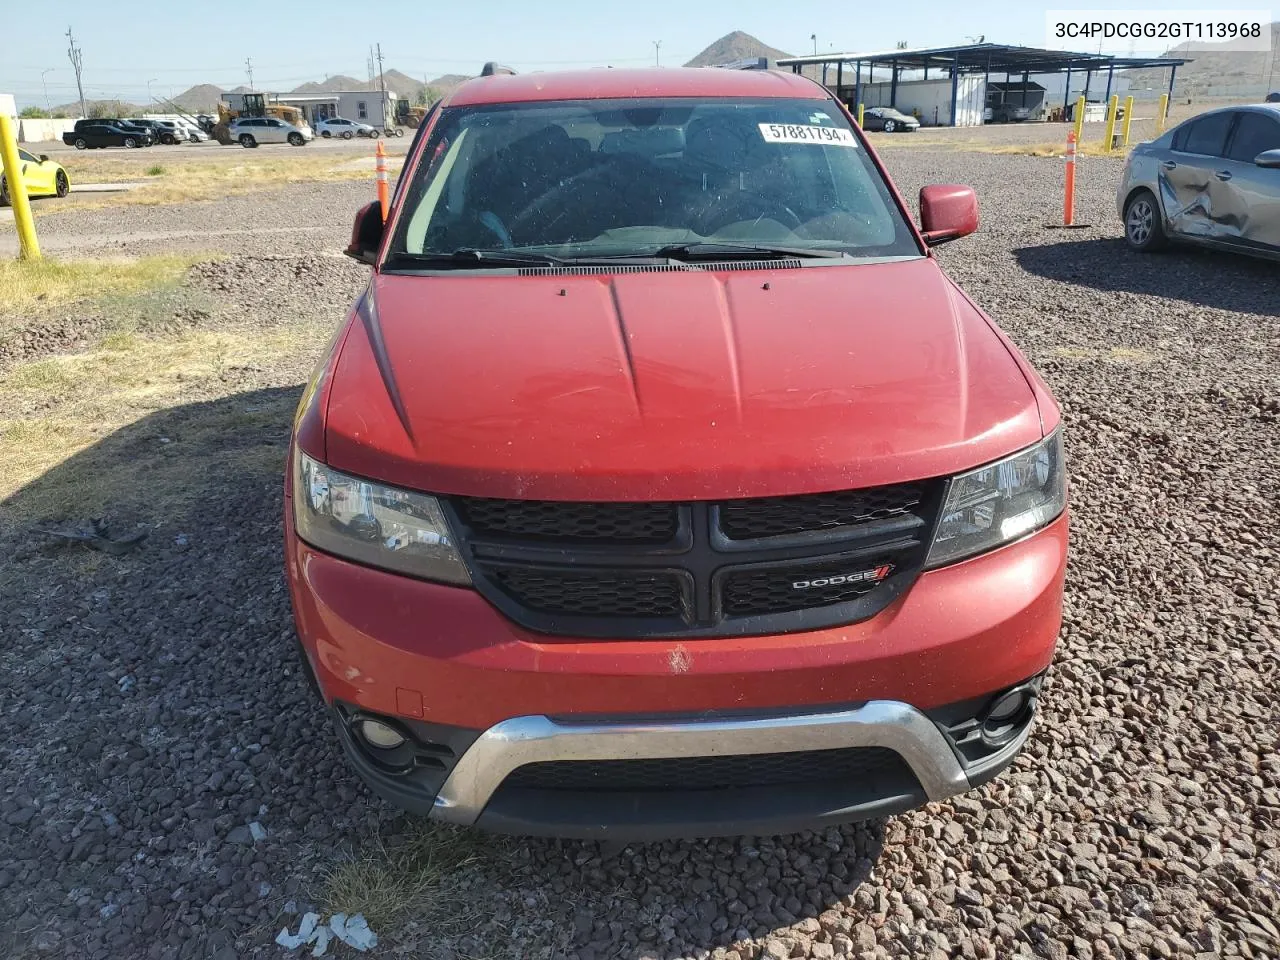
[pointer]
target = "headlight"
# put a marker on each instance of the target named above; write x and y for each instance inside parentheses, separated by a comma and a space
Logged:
(370, 523)
(1001, 502)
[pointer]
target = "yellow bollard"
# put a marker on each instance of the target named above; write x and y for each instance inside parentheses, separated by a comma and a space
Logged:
(1112, 109)
(29, 248)
(1079, 118)
(1162, 117)
(1128, 119)
(861, 109)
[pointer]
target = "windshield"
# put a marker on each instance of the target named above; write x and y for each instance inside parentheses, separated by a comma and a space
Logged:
(612, 178)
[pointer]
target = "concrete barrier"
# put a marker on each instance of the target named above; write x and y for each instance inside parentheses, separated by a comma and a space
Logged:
(36, 131)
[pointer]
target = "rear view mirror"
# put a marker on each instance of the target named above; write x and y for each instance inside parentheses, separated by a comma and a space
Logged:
(1268, 158)
(948, 211)
(366, 234)
(44, 158)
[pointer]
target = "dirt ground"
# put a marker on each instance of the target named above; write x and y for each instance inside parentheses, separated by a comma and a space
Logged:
(171, 789)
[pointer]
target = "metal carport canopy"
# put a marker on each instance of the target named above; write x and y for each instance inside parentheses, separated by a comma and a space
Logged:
(984, 58)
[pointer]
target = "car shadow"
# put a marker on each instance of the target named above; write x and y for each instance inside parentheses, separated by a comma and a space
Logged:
(137, 676)
(1204, 277)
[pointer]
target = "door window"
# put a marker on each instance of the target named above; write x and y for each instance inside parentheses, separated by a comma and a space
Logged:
(1254, 135)
(27, 157)
(1206, 136)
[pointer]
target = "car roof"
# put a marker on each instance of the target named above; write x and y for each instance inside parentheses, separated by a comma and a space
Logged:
(1270, 109)
(628, 84)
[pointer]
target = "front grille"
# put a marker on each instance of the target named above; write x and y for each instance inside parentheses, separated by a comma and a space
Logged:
(594, 594)
(577, 522)
(776, 516)
(710, 773)
(725, 568)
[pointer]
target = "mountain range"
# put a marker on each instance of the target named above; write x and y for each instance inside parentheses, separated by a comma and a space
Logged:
(203, 98)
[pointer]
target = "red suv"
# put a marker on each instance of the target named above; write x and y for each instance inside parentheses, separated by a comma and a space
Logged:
(660, 483)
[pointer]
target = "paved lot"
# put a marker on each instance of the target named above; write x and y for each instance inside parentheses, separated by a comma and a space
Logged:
(153, 709)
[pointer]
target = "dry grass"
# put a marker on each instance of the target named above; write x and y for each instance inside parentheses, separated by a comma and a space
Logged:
(411, 880)
(191, 177)
(26, 284)
(1089, 148)
(1119, 355)
(62, 419)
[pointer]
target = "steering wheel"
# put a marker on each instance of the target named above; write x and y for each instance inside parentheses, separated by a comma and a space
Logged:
(621, 174)
(739, 206)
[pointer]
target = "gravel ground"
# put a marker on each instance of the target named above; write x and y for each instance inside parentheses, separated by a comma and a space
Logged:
(297, 219)
(154, 711)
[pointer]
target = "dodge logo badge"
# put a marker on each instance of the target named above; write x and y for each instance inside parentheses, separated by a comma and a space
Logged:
(874, 575)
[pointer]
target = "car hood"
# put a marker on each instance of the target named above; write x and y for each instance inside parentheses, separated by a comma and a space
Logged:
(673, 385)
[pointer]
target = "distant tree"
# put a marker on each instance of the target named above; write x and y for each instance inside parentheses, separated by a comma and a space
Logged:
(427, 96)
(33, 113)
(99, 110)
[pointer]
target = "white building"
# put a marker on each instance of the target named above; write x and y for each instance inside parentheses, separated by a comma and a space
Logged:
(366, 106)
(8, 106)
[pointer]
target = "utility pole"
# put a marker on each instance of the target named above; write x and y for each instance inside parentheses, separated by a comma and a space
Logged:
(76, 55)
(369, 64)
(150, 99)
(382, 84)
(248, 66)
(814, 38)
(47, 109)
(657, 53)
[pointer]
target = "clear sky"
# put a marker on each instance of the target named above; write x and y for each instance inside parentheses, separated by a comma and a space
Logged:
(174, 44)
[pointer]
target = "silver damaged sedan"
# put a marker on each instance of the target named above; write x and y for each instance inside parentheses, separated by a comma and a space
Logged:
(1213, 180)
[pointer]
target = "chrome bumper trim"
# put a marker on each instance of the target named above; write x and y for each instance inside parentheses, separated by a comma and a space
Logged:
(535, 739)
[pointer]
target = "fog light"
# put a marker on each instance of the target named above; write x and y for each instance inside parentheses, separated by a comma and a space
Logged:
(380, 735)
(1008, 706)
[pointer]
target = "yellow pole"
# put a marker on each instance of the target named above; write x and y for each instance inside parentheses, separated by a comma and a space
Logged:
(861, 107)
(1079, 117)
(1112, 108)
(28, 246)
(1128, 119)
(1163, 116)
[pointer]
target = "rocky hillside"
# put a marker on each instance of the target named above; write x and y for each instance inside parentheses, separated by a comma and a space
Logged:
(1216, 68)
(735, 46)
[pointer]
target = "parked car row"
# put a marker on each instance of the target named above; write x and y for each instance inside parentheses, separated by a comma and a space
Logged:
(132, 132)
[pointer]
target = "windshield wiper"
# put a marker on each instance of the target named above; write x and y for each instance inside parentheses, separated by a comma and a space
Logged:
(469, 257)
(713, 250)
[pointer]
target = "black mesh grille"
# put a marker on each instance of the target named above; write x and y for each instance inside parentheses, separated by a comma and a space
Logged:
(573, 522)
(749, 593)
(775, 516)
(698, 568)
(615, 594)
(710, 773)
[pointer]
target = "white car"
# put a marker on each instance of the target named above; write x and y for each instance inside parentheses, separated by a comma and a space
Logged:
(184, 131)
(251, 131)
(344, 128)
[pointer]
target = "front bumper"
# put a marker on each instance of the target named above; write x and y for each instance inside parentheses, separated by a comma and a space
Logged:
(489, 698)
(872, 760)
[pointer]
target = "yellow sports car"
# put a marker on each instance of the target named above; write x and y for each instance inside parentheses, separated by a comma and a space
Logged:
(43, 177)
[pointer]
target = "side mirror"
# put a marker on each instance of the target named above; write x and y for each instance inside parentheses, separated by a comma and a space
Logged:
(1268, 158)
(366, 234)
(948, 211)
(44, 158)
